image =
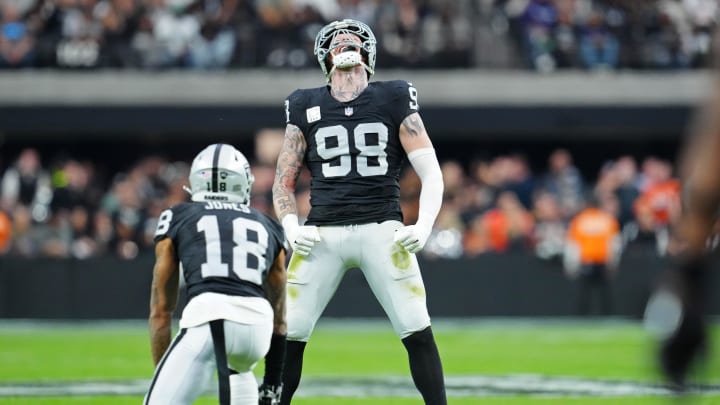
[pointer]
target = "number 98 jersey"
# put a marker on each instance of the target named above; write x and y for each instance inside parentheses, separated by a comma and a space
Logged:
(353, 151)
(223, 247)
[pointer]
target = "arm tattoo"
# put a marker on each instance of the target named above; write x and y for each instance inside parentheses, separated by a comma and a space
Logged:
(413, 124)
(289, 165)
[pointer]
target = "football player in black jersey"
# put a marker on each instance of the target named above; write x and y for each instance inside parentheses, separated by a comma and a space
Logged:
(353, 136)
(677, 309)
(233, 261)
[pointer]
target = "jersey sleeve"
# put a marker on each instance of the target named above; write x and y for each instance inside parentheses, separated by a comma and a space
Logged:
(295, 109)
(167, 224)
(405, 99)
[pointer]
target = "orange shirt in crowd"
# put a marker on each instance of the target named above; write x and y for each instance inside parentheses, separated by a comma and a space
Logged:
(496, 225)
(662, 199)
(5, 231)
(593, 231)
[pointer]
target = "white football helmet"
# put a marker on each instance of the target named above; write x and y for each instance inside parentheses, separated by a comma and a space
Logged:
(325, 43)
(220, 173)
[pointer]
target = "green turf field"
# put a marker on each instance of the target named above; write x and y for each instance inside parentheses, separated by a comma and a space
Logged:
(486, 362)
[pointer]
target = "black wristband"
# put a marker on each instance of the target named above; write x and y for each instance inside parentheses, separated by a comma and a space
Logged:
(275, 359)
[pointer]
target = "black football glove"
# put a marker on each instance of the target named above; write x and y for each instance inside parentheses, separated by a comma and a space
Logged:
(684, 341)
(269, 394)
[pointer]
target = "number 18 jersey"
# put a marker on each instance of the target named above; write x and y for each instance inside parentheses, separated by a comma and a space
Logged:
(223, 247)
(353, 151)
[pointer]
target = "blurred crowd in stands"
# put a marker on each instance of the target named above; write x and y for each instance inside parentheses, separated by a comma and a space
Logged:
(543, 35)
(64, 207)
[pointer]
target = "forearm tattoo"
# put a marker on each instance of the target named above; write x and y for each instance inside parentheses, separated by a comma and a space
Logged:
(289, 165)
(413, 124)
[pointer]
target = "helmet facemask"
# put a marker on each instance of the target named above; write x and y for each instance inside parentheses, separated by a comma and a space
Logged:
(338, 35)
(220, 173)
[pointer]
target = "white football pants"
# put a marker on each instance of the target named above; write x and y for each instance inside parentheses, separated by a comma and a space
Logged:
(392, 273)
(187, 367)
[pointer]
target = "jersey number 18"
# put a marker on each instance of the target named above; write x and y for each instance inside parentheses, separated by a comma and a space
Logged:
(214, 267)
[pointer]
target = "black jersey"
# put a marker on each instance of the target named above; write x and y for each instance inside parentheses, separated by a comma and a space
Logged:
(223, 247)
(353, 151)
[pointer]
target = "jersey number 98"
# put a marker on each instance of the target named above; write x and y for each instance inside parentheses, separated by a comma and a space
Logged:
(341, 149)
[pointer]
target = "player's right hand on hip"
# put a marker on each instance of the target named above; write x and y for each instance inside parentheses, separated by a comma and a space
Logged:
(303, 240)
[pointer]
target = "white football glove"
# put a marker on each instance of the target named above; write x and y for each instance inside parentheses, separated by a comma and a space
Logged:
(412, 237)
(301, 238)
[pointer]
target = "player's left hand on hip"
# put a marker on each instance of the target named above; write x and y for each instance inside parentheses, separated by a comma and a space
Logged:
(412, 238)
(269, 394)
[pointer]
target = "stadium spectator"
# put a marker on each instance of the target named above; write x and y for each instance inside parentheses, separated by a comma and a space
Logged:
(548, 236)
(658, 203)
(128, 215)
(516, 176)
(73, 185)
(538, 34)
(592, 254)
(697, 33)
(355, 210)
(174, 28)
(565, 182)
(447, 34)
(121, 20)
(81, 35)
(16, 41)
(481, 188)
(213, 34)
(213, 46)
(599, 47)
(83, 244)
(399, 34)
(626, 187)
(26, 183)
(25, 236)
(508, 227)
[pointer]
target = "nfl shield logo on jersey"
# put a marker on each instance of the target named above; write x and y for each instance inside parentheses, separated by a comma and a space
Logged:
(348, 111)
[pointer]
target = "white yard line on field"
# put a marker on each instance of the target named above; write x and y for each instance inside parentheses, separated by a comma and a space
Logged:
(389, 386)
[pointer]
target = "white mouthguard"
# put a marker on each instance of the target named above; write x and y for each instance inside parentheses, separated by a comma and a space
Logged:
(346, 60)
